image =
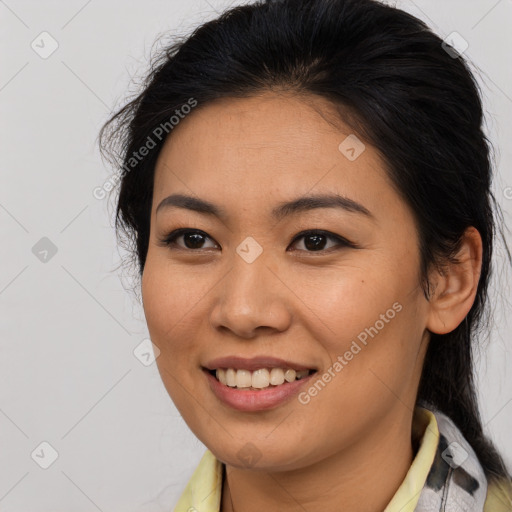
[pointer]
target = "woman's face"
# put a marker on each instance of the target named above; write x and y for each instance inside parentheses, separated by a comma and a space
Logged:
(345, 301)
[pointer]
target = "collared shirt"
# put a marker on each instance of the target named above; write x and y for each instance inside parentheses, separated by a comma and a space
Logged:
(204, 490)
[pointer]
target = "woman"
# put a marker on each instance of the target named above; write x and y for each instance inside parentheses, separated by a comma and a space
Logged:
(307, 188)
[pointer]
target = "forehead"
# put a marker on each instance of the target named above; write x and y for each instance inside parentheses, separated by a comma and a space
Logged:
(268, 121)
(265, 146)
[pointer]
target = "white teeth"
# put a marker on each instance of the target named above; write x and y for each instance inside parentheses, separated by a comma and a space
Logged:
(221, 375)
(289, 375)
(259, 379)
(302, 373)
(276, 376)
(231, 377)
(243, 379)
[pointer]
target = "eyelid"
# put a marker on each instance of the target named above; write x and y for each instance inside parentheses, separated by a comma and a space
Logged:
(169, 240)
(341, 241)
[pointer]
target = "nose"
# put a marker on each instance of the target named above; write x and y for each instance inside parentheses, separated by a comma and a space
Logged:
(251, 298)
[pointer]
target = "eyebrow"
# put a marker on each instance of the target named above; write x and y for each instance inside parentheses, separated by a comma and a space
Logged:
(285, 209)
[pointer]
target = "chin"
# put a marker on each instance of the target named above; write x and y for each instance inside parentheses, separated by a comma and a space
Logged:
(260, 456)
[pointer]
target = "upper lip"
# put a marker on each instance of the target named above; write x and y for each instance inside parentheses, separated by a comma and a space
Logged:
(253, 363)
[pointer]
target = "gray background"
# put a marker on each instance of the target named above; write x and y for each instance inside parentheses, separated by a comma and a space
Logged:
(68, 373)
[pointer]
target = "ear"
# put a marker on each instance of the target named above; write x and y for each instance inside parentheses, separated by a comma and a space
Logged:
(455, 287)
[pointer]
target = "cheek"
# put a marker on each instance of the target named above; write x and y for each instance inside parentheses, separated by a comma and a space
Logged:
(370, 314)
(168, 298)
(347, 299)
(377, 351)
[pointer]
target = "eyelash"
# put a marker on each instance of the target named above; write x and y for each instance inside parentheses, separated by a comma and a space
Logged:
(169, 240)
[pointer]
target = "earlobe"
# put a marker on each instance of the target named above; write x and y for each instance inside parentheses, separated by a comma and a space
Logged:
(456, 286)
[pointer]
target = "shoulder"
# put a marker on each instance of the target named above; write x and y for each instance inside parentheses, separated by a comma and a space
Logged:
(499, 496)
(204, 489)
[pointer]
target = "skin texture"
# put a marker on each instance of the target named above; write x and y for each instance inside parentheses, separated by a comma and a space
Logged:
(246, 155)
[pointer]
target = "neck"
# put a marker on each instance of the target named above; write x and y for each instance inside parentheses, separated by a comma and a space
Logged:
(378, 462)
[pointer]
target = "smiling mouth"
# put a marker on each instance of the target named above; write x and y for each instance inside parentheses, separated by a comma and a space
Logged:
(260, 379)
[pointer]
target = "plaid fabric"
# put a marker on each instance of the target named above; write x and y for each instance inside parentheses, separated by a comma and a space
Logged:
(456, 481)
(445, 475)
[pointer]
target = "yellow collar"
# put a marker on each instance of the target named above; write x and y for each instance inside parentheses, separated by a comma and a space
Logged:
(204, 489)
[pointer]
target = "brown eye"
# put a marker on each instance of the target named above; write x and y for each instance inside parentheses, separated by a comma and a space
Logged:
(316, 240)
(192, 239)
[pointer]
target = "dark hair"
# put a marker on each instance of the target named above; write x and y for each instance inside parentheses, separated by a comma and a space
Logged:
(397, 85)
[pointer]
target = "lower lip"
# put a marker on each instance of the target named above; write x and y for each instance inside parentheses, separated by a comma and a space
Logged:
(249, 400)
